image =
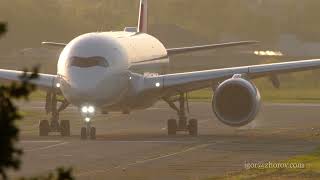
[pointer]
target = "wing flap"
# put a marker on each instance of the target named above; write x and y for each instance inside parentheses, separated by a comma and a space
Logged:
(182, 50)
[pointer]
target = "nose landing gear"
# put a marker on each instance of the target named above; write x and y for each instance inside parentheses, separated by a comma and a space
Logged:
(182, 124)
(88, 131)
(88, 111)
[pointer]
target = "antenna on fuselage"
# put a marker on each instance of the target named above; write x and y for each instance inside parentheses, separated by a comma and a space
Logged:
(143, 17)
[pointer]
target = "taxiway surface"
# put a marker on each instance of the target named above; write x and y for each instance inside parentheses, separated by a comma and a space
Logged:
(136, 146)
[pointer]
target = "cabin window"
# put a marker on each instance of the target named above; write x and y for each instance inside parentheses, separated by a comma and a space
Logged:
(85, 62)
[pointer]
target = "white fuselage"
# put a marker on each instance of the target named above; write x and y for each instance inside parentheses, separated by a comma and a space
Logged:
(94, 68)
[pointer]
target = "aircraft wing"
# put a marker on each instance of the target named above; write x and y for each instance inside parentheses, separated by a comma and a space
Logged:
(189, 81)
(54, 44)
(182, 50)
(44, 81)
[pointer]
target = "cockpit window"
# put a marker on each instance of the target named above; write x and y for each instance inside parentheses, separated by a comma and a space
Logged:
(84, 62)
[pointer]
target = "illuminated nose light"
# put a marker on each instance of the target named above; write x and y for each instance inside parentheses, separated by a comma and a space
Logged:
(157, 84)
(58, 85)
(87, 119)
(91, 109)
(84, 109)
(268, 53)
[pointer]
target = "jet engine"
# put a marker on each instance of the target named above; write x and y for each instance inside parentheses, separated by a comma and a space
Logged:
(236, 102)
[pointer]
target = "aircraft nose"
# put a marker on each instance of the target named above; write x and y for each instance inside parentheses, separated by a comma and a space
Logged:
(84, 91)
(97, 87)
(85, 87)
(87, 82)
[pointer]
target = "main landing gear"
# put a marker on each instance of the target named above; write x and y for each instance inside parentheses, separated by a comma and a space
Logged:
(63, 126)
(182, 124)
(55, 124)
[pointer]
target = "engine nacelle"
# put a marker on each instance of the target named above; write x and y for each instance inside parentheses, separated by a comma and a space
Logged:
(236, 102)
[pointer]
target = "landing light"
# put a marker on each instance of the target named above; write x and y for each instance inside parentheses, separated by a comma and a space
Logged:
(84, 109)
(268, 53)
(157, 84)
(91, 109)
(58, 85)
(87, 119)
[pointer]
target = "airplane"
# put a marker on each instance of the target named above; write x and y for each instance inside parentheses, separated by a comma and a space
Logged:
(95, 72)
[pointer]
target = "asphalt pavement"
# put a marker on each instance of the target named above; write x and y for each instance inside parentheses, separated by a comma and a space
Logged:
(136, 146)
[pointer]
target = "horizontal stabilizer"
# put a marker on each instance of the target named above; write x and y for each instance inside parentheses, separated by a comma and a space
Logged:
(130, 29)
(54, 44)
(182, 50)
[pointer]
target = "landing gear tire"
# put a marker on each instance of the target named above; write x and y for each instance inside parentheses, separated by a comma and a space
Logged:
(182, 124)
(193, 127)
(83, 133)
(55, 122)
(172, 127)
(65, 128)
(92, 133)
(44, 128)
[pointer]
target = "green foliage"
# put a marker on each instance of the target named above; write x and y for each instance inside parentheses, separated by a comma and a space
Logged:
(59, 174)
(10, 154)
(3, 28)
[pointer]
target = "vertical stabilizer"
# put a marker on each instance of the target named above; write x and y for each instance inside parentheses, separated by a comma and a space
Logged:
(143, 17)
